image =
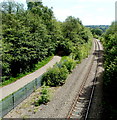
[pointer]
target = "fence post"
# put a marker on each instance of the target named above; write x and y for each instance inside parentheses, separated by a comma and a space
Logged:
(13, 100)
(36, 82)
(26, 91)
(40, 80)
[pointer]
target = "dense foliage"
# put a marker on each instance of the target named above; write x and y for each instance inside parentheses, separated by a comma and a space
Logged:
(110, 75)
(57, 75)
(102, 27)
(31, 35)
(69, 63)
(98, 30)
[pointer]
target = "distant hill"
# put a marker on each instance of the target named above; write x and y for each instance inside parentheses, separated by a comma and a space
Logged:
(102, 27)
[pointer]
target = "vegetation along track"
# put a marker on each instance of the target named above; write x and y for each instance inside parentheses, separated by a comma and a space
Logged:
(75, 110)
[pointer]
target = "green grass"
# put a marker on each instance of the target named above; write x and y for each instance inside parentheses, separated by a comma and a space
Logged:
(37, 66)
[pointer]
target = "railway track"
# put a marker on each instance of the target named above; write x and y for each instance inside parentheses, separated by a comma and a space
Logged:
(80, 107)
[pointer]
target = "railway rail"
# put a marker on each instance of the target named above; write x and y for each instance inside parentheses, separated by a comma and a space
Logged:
(74, 111)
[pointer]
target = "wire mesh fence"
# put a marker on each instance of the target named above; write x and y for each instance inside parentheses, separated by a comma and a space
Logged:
(11, 101)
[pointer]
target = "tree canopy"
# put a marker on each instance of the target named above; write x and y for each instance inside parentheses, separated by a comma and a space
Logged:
(110, 65)
(32, 35)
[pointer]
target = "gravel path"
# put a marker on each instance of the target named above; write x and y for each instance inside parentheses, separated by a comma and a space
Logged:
(7, 90)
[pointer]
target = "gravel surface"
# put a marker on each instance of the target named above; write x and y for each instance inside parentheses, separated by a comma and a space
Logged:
(27, 108)
(8, 89)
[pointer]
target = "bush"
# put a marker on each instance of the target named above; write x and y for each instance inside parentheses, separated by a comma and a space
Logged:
(45, 97)
(69, 63)
(63, 75)
(76, 55)
(55, 76)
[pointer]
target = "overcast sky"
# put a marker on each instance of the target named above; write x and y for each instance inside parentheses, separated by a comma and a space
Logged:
(90, 12)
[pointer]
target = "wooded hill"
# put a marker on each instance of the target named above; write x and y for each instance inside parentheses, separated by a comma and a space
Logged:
(102, 27)
(29, 36)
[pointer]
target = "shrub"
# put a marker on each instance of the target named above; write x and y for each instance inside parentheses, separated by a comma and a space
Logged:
(69, 63)
(55, 76)
(45, 97)
(63, 75)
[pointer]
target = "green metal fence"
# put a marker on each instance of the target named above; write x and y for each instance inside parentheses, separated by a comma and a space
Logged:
(11, 101)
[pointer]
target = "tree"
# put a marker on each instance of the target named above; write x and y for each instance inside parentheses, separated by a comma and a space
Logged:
(97, 31)
(31, 4)
(31, 35)
(110, 65)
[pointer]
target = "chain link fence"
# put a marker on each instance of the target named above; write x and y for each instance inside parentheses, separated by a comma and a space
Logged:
(11, 101)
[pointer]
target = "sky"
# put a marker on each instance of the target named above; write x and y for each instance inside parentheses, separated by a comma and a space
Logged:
(90, 12)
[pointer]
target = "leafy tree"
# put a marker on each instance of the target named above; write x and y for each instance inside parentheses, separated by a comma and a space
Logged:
(97, 31)
(31, 4)
(110, 65)
(11, 7)
(31, 35)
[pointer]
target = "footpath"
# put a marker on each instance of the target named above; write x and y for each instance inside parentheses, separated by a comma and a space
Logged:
(9, 89)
